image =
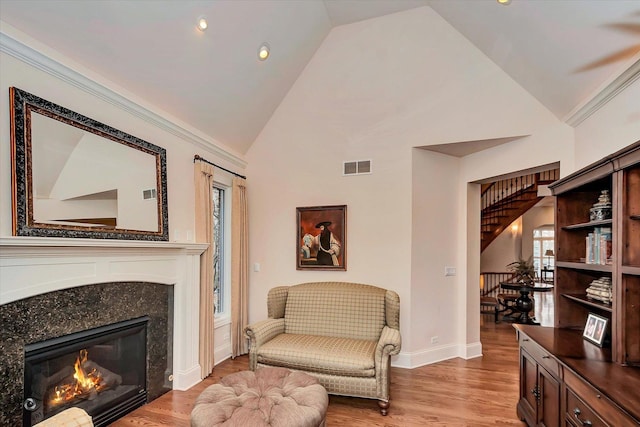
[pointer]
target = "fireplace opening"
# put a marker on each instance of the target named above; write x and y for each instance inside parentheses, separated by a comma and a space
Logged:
(101, 370)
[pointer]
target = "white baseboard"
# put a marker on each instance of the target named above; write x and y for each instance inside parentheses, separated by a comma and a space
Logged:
(184, 380)
(425, 357)
(222, 353)
(410, 360)
(472, 350)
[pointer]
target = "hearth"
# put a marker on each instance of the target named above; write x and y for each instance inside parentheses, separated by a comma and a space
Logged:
(101, 370)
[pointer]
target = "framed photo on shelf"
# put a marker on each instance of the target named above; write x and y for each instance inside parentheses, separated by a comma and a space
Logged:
(321, 242)
(595, 330)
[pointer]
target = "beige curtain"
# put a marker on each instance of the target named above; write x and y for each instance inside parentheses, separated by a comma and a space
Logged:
(239, 267)
(203, 178)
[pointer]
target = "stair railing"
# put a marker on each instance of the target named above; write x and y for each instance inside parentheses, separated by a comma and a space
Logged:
(490, 284)
(502, 200)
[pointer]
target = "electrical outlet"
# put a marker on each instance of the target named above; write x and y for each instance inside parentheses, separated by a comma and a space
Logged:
(449, 271)
(435, 339)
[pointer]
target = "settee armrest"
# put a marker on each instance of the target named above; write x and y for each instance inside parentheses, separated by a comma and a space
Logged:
(259, 333)
(389, 343)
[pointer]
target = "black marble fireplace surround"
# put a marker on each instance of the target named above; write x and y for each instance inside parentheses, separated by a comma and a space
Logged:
(67, 311)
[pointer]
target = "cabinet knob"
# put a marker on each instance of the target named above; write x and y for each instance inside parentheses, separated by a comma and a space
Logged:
(585, 423)
(546, 357)
(525, 339)
(536, 393)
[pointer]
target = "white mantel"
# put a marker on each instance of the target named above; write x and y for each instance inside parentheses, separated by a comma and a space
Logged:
(32, 266)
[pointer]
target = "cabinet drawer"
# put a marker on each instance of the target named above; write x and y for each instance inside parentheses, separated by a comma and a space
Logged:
(580, 413)
(540, 355)
(596, 402)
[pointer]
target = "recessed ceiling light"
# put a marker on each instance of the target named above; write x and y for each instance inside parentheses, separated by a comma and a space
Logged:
(202, 23)
(263, 52)
(504, 2)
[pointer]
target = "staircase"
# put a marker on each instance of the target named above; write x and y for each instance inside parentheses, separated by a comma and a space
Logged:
(504, 201)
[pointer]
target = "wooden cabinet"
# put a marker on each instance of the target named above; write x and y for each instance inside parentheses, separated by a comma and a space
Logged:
(578, 413)
(539, 402)
(566, 381)
(619, 175)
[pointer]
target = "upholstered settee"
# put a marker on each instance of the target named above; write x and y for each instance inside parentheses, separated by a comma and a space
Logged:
(341, 333)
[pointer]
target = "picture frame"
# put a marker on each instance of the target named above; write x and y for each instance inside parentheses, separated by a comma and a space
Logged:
(595, 329)
(321, 238)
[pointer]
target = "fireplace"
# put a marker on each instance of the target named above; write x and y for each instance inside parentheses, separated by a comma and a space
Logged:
(53, 287)
(55, 316)
(101, 370)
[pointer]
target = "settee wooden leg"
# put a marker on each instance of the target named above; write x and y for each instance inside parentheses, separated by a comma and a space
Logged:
(383, 406)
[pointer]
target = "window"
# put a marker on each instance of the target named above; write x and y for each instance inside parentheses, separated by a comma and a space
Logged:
(219, 237)
(543, 243)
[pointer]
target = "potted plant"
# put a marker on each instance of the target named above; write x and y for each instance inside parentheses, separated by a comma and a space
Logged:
(523, 270)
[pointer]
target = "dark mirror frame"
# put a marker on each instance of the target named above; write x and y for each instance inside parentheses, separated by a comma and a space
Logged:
(22, 105)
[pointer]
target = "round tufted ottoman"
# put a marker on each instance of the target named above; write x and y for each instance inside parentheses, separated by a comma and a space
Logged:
(268, 397)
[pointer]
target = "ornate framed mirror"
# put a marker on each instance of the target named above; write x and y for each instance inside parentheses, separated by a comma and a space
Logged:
(75, 177)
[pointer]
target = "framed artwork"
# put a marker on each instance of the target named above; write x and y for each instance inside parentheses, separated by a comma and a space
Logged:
(321, 238)
(595, 330)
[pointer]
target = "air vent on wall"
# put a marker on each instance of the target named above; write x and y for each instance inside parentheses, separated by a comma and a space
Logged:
(357, 167)
(149, 194)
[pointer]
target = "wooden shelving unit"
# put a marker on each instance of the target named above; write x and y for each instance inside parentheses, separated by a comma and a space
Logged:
(607, 268)
(590, 224)
(565, 380)
(581, 299)
(575, 195)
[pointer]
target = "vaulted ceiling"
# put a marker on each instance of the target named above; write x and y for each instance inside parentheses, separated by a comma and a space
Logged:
(561, 51)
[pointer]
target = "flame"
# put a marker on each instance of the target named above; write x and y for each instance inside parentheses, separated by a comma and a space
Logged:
(85, 382)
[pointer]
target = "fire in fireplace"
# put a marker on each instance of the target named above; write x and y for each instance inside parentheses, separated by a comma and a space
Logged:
(85, 381)
(101, 370)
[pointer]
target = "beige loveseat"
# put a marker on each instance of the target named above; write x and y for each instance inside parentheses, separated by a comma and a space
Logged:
(341, 333)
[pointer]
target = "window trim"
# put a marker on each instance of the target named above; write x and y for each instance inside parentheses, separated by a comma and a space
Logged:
(223, 182)
(540, 240)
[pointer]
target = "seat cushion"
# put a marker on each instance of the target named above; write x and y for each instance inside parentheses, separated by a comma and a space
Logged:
(328, 355)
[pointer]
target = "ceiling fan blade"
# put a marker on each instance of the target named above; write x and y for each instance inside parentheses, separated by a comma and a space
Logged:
(627, 27)
(620, 55)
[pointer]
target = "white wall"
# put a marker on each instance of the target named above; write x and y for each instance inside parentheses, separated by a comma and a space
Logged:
(434, 218)
(68, 88)
(374, 90)
(506, 248)
(180, 152)
(611, 128)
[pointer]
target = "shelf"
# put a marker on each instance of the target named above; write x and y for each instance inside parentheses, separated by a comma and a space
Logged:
(628, 269)
(606, 268)
(589, 224)
(582, 299)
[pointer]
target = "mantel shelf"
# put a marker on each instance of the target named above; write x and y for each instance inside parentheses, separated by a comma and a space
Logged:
(12, 245)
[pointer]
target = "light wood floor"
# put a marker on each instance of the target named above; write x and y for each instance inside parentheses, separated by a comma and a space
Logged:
(477, 392)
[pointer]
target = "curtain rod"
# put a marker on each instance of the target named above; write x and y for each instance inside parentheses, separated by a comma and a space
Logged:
(197, 157)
